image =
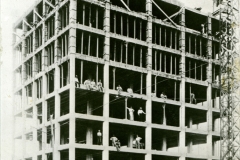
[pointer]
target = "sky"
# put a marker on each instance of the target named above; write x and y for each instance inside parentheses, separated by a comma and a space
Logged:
(12, 10)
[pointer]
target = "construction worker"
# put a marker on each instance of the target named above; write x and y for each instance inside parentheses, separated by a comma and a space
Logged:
(99, 85)
(141, 114)
(131, 115)
(130, 91)
(76, 81)
(203, 28)
(138, 143)
(115, 142)
(192, 97)
(163, 95)
(99, 137)
(93, 85)
(87, 84)
(119, 89)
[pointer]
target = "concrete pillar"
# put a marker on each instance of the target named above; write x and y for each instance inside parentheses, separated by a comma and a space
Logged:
(130, 139)
(190, 144)
(182, 135)
(164, 114)
(148, 130)
(106, 56)
(164, 143)
(72, 51)
(209, 91)
(190, 122)
(89, 135)
(56, 153)
(23, 93)
(89, 107)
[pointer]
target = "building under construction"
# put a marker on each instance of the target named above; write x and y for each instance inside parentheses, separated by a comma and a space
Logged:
(154, 47)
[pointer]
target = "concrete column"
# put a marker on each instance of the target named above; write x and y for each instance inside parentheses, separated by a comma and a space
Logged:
(89, 107)
(72, 51)
(23, 93)
(182, 135)
(130, 139)
(148, 130)
(164, 114)
(190, 144)
(209, 91)
(34, 118)
(106, 56)
(89, 136)
(56, 153)
(190, 122)
(164, 143)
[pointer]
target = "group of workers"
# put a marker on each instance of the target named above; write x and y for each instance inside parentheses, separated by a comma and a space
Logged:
(135, 144)
(140, 114)
(116, 142)
(129, 90)
(90, 84)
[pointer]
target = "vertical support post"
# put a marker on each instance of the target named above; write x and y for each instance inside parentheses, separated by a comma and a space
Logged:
(165, 63)
(195, 70)
(209, 91)
(89, 44)
(134, 28)
(155, 62)
(164, 143)
(160, 62)
(126, 45)
(114, 22)
(72, 51)
(133, 55)
(121, 54)
(121, 24)
(114, 79)
(160, 35)
(106, 28)
(175, 90)
(82, 39)
(148, 130)
(182, 135)
(141, 85)
(126, 107)
(170, 38)
(171, 64)
(195, 45)
(141, 54)
(190, 46)
(97, 51)
(97, 73)
(81, 77)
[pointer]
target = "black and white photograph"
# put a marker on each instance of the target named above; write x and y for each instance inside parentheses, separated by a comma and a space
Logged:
(119, 80)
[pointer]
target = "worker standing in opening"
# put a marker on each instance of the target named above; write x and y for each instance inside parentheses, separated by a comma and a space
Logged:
(87, 84)
(141, 114)
(192, 97)
(163, 95)
(115, 142)
(99, 85)
(119, 89)
(99, 137)
(130, 91)
(93, 85)
(138, 143)
(76, 81)
(131, 115)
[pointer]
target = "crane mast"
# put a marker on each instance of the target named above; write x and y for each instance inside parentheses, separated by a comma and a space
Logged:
(229, 99)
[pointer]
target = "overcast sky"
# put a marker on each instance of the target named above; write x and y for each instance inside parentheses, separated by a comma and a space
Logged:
(11, 10)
